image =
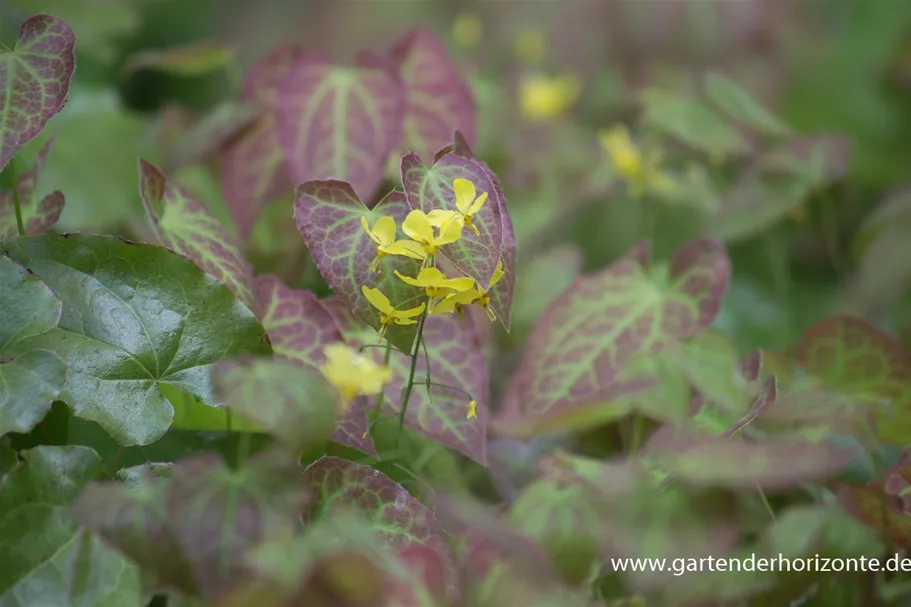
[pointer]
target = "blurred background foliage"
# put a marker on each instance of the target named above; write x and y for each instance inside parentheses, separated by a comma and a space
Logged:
(147, 67)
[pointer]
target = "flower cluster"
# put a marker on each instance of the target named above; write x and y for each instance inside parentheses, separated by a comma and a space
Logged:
(427, 233)
(352, 373)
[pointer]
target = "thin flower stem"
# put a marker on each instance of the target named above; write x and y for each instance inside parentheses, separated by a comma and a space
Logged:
(765, 502)
(379, 399)
(406, 395)
(16, 202)
(453, 388)
(386, 345)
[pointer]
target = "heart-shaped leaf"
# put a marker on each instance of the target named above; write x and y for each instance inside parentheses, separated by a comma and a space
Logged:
(429, 188)
(31, 381)
(705, 460)
(860, 361)
(339, 122)
(36, 216)
(439, 99)
(456, 359)
(187, 227)
(253, 171)
(296, 406)
(34, 81)
(577, 353)
(338, 485)
(154, 318)
(328, 214)
(300, 326)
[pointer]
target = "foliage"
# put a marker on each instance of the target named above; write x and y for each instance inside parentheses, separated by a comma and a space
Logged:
(436, 328)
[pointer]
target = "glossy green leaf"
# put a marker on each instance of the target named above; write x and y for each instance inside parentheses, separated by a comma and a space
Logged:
(295, 405)
(740, 105)
(33, 379)
(133, 316)
(34, 81)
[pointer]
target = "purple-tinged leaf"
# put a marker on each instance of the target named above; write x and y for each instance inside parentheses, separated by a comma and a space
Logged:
(501, 296)
(884, 504)
(211, 132)
(339, 122)
(294, 405)
(134, 519)
(429, 188)
(187, 227)
(34, 81)
(253, 171)
(583, 341)
(36, 216)
(733, 462)
(439, 99)
(328, 215)
(300, 326)
(218, 514)
(338, 485)
(456, 359)
(865, 364)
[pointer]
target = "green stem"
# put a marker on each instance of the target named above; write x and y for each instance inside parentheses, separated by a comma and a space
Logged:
(379, 399)
(406, 395)
(16, 202)
(765, 502)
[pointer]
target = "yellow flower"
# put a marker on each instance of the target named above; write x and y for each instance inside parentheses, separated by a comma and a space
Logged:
(383, 234)
(456, 301)
(544, 98)
(352, 374)
(436, 284)
(388, 314)
(472, 410)
(530, 45)
(419, 228)
(641, 170)
(468, 202)
(467, 30)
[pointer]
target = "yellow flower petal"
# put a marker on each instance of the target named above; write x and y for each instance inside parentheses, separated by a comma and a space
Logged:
(352, 373)
(477, 205)
(464, 194)
(405, 248)
(498, 275)
(370, 232)
(472, 410)
(417, 227)
(438, 217)
(450, 232)
(378, 300)
(384, 228)
(401, 316)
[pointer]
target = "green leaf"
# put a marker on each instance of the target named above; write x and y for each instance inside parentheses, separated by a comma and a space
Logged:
(34, 525)
(544, 279)
(576, 356)
(692, 123)
(189, 60)
(31, 381)
(34, 81)
(295, 405)
(187, 227)
(860, 361)
(37, 216)
(740, 105)
(134, 316)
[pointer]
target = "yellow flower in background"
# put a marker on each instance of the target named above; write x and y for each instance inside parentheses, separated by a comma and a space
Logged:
(352, 373)
(530, 45)
(418, 227)
(640, 169)
(472, 410)
(436, 285)
(467, 30)
(388, 314)
(383, 234)
(544, 98)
